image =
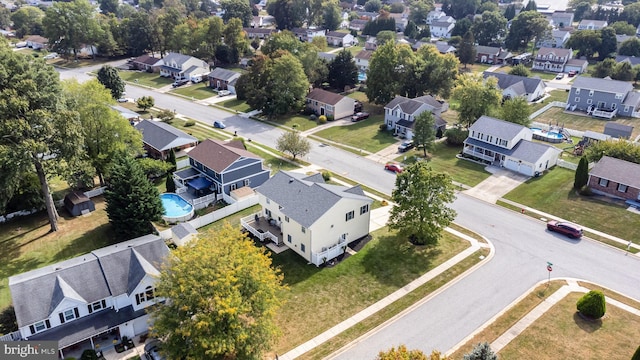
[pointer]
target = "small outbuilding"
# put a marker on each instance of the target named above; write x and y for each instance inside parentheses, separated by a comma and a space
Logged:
(619, 131)
(77, 203)
(183, 233)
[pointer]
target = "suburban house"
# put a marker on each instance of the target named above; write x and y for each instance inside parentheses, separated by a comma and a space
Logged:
(371, 44)
(554, 39)
(617, 130)
(327, 56)
(442, 27)
(357, 24)
(362, 60)
(179, 66)
(323, 102)
(258, 33)
(577, 65)
(592, 24)
(492, 55)
(307, 35)
(221, 167)
(400, 18)
(444, 47)
(603, 98)
(316, 220)
(220, 78)
(562, 19)
(145, 63)
(79, 300)
(37, 42)
(513, 86)
(632, 60)
(336, 38)
(434, 16)
(616, 178)
(551, 59)
(509, 145)
(159, 138)
(400, 113)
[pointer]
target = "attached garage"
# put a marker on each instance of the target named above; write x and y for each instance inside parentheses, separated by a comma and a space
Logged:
(141, 325)
(519, 166)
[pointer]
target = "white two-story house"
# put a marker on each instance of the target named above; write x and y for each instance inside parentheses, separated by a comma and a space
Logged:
(509, 145)
(317, 220)
(179, 66)
(400, 113)
(442, 27)
(552, 59)
(77, 300)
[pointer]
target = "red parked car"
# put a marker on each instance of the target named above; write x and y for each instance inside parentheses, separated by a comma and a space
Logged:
(359, 116)
(565, 228)
(394, 167)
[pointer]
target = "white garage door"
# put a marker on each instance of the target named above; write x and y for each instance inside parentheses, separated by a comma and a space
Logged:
(516, 166)
(526, 169)
(511, 164)
(140, 325)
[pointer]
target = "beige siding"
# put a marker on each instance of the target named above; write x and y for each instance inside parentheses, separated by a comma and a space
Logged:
(328, 229)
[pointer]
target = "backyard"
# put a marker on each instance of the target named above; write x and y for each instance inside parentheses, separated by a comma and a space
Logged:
(557, 116)
(144, 78)
(197, 91)
(554, 95)
(553, 193)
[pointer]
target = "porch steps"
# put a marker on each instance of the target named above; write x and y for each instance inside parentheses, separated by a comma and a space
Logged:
(350, 251)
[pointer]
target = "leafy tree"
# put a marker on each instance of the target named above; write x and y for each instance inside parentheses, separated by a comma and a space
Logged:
(631, 14)
(386, 36)
(582, 11)
(132, 201)
(516, 110)
(373, 27)
(166, 116)
(27, 195)
(8, 321)
(293, 143)
(592, 304)
(109, 6)
(145, 102)
(109, 77)
(343, 71)
(381, 76)
(170, 183)
(608, 43)
(421, 196)
(488, 6)
(401, 353)
(526, 26)
(520, 70)
(585, 41)
(105, 132)
(37, 133)
(419, 11)
(624, 72)
(438, 74)
(424, 131)
(623, 28)
(481, 351)
(233, 316)
(315, 69)
(623, 150)
(396, 8)
(5, 17)
(332, 16)
(456, 136)
(604, 68)
(467, 49)
(582, 174)
(234, 38)
(476, 97)
(630, 47)
(70, 25)
(27, 21)
(153, 168)
(411, 30)
(238, 9)
(373, 6)
(460, 8)
(286, 73)
(461, 27)
(490, 29)
(288, 14)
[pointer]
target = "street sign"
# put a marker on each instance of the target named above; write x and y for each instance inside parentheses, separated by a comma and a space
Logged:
(549, 268)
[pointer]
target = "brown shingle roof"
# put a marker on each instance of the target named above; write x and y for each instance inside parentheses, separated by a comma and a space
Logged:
(364, 55)
(218, 155)
(324, 96)
(38, 39)
(146, 59)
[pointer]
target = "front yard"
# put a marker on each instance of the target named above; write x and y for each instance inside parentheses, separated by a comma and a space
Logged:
(197, 91)
(235, 104)
(553, 193)
(364, 134)
(144, 78)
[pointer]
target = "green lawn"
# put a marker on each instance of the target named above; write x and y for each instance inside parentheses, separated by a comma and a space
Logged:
(476, 68)
(384, 265)
(354, 50)
(541, 74)
(364, 134)
(197, 91)
(557, 115)
(273, 162)
(199, 131)
(443, 159)
(235, 104)
(27, 243)
(299, 122)
(144, 78)
(553, 193)
(233, 219)
(554, 95)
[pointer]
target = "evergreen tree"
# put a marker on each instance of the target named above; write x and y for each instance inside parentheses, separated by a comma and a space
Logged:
(636, 355)
(582, 174)
(132, 201)
(171, 185)
(343, 71)
(531, 6)
(467, 49)
(510, 12)
(592, 304)
(172, 159)
(108, 76)
(481, 351)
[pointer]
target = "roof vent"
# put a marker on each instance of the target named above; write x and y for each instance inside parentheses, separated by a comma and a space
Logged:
(290, 180)
(58, 268)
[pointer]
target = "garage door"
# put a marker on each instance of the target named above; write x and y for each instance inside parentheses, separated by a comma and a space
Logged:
(511, 164)
(526, 169)
(140, 325)
(519, 167)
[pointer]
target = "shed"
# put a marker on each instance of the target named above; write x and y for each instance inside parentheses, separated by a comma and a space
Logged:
(183, 233)
(77, 203)
(241, 193)
(617, 130)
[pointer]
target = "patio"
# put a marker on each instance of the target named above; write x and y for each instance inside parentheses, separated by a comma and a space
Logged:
(266, 231)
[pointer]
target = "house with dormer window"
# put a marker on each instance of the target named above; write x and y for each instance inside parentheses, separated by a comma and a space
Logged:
(508, 145)
(604, 98)
(400, 113)
(179, 66)
(587, 24)
(77, 300)
(442, 27)
(552, 59)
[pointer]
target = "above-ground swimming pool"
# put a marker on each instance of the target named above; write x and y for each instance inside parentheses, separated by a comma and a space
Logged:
(176, 209)
(548, 136)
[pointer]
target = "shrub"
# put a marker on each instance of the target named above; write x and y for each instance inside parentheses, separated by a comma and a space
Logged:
(585, 190)
(592, 304)
(89, 354)
(456, 136)
(383, 127)
(384, 203)
(189, 123)
(313, 117)
(322, 119)
(330, 117)
(326, 175)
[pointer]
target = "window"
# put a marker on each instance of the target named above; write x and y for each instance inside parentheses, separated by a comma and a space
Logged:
(619, 96)
(603, 182)
(622, 188)
(589, 101)
(286, 218)
(40, 326)
(289, 238)
(247, 182)
(98, 305)
(233, 187)
(303, 229)
(577, 91)
(577, 99)
(590, 93)
(349, 215)
(364, 209)
(68, 315)
(147, 295)
(267, 212)
(302, 247)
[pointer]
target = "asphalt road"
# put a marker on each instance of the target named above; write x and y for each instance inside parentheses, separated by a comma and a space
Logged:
(522, 247)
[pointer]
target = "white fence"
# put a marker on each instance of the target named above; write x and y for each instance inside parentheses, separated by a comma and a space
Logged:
(14, 336)
(547, 107)
(203, 202)
(182, 163)
(567, 165)
(262, 236)
(330, 253)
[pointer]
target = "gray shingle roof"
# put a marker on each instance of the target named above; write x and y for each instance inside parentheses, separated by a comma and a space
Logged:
(223, 74)
(604, 85)
(630, 59)
(162, 136)
(487, 50)
(183, 230)
(596, 135)
(496, 127)
(90, 277)
(618, 130)
(558, 52)
(520, 84)
(178, 58)
(324, 96)
(305, 199)
(525, 150)
(409, 106)
(616, 170)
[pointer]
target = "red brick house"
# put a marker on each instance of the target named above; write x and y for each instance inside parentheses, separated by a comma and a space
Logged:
(616, 178)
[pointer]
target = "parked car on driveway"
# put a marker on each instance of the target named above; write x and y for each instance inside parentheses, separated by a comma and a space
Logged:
(359, 116)
(224, 92)
(406, 146)
(396, 168)
(125, 99)
(572, 73)
(151, 350)
(565, 228)
(219, 125)
(560, 76)
(179, 83)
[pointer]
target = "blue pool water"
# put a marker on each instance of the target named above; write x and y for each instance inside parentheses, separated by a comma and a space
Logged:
(549, 134)
(362, 76)
(174, 205)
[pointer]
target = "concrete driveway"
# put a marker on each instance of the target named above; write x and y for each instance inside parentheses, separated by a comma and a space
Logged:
(497, 185)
